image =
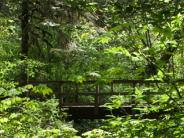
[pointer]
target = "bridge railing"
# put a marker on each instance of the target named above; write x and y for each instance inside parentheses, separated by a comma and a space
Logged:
(96, 93)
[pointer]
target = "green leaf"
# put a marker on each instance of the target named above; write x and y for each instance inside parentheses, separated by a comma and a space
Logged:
(4, 120)
(118, 50)
(104, 39)
(167, 1)
(42, 89)
(160, 74)
(29, 86)
(138, 92)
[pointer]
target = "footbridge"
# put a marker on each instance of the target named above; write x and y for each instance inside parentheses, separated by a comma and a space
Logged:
(85, 100)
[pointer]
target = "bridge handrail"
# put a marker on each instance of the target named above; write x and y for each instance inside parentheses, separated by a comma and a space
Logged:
(99, 93)
(107, 81)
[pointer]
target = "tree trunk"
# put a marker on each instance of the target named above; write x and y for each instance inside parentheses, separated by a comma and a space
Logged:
(25, 38)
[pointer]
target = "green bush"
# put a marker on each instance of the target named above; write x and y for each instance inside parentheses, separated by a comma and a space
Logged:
(24, 117)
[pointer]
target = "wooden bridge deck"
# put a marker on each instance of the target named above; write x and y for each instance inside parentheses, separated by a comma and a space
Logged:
(85, 100)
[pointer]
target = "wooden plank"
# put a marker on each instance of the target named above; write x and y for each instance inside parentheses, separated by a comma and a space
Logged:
(133, 93)
(112, 87)
(76, 93)
(97, 100)
(61, 101)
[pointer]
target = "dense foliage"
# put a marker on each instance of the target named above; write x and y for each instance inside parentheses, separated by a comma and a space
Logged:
(82, 40)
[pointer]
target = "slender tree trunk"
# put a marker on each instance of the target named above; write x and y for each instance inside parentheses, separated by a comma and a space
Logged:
(25, 29)
(25, 38)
